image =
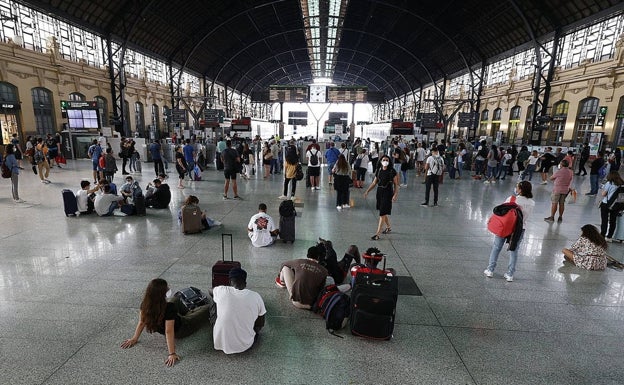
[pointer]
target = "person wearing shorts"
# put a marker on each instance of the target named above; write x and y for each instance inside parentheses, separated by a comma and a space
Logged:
(562, 179)
(231, 160)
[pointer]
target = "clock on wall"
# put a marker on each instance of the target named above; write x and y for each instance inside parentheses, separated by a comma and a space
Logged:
(318, 94)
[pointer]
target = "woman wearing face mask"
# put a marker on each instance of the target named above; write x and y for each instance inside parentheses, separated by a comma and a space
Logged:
(170, 317)
(387, 180)
(561, 188)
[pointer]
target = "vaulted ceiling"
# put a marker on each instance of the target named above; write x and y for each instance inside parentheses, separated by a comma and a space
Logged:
(390, 46)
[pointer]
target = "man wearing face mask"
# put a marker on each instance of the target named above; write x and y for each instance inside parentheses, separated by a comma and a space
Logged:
(562, 180)
(434, 167)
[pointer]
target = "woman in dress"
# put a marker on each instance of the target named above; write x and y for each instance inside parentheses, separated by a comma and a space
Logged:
(342, 178)
(180, 166)
(387, 182)
(169, 317)
(589, 251)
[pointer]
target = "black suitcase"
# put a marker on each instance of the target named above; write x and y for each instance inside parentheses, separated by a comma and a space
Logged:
(287, 229)
(139, 205)
(373, 306)
(69, 203)
(221, 269)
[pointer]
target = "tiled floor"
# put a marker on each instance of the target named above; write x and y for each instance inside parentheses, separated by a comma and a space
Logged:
(70, 289)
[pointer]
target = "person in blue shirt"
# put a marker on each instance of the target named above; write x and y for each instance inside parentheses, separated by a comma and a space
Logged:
(189, 157)
(331, 155)
(94, 152)
(11, 162)
(156, 151)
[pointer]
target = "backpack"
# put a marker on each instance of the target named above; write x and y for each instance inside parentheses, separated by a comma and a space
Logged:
(287, 208)
(191, 298)
(334, 306)
(6, 171)
(38, 157)
(314, 157)
(503, 221)
(438, 166)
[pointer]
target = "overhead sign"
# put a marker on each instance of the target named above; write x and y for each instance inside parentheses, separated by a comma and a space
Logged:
(10, 106)
(347, 94)
(428, 120)
(293, 94)
(178, 115)
(78, 104)
(214, 115)
(466, 119)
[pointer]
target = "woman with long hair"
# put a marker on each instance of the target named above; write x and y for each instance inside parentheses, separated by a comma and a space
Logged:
(291, 160)
(523, 197)
(609, 208)
(10, 161)
(387, 182)
(589, 251)
(181, 166)
(267, 156)
(169, 317)
(342, 178)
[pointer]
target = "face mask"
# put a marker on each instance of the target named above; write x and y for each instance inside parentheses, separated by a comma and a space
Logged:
(385, 163)
(559, 166)
(168, 294)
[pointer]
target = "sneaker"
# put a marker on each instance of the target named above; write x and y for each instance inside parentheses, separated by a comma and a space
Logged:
(435, 205)
(22, 201)
(225, 197)
(279, 283)
(345, 206)
(216, 223)
(292, 198)
(544, 182)
(549, 219)
(282, 197)
(339, 208)
(493, 182)
(424, 204)
(559, 220)
(486, 182)
(238, 198)
(47, 180)
(606, 238)
(508, 277)
(488, 273)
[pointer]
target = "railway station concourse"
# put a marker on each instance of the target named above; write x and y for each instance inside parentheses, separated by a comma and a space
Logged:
(533, 72)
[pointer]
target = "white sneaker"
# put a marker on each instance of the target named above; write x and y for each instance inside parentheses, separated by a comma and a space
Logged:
(608, 239)
(282, 197)
(292, 198)
(345, 206)
(216, 223)
(22, 201)
(339, 208)
(544, 182)
(488, 273)
(508, 277)
(486, 182)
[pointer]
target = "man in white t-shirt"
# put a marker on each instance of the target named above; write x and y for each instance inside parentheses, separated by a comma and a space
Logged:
(314, 167)
(105, 202)
(261, 228)
(83, 197)
(240, 314)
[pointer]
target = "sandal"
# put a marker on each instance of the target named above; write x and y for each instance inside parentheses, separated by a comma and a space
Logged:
(387, 230)
(375, 237)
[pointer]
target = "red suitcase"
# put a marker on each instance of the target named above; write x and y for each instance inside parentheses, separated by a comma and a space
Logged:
(221, 269)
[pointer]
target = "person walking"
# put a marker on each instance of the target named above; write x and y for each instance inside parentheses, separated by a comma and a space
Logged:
(181, 166)
(10, 160)
(291, 161)
(583, 159)
(594, 173)
(561, 188)
(157, 153)
(231, 161)
(387, 182)
(524, 200)
(41, 160)
(342, 177)
(434, 167)
(609, 207)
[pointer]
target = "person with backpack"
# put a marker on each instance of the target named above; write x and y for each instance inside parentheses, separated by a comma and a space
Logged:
(482, 154)
(387, 182)
(434, 168)
(361, 166)
(314, 167)
(331, 156)
(523, 198)
(94, 152)
(169, 316)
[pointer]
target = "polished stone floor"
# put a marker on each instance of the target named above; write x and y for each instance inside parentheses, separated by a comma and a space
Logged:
(70, 290)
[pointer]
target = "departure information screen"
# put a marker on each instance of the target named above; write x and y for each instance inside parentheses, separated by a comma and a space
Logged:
(294, 94)
(346, 94)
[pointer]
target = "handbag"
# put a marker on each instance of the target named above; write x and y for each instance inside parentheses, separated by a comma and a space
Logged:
(299, 172)
(60, 159)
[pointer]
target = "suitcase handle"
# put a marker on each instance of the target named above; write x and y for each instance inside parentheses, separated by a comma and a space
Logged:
(223, 247)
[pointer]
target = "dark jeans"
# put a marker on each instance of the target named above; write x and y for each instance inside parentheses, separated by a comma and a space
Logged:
(607, 217)
(582, 166)
(294, 185)
(159, 168)
(342, 196)
(123, 165)
(432, 180)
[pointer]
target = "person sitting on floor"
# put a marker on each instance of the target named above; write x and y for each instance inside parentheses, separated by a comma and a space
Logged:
(337, 269)
(207, 222)
(106, 202)
(303, 278)
(130, 189)
(589, 251)
(261, 228)
(85, 197)
(240, 314)
(168, 316)
(159, 196)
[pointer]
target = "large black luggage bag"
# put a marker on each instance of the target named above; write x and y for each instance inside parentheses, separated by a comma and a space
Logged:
(373, 306)
(221, 269)
(70, 203)
(287, 229)
(139, 205)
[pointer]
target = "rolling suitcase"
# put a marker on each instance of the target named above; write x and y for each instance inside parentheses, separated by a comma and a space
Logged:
(221, 269)
(191, 220)
(373, 306)
(139, 205)
(287, 229)
(70, 203)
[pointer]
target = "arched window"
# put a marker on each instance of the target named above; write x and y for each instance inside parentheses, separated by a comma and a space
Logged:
(485, 116)
(559, 118)
(585, 119)
(102, 106)
(618, 129)
(496, 121)
(514, 123)
(43, 110)
(139, 119)
(9, 112)
(155, 117)
(77, 97)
